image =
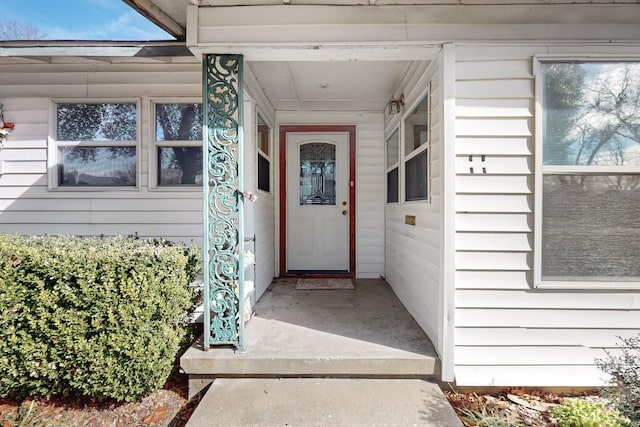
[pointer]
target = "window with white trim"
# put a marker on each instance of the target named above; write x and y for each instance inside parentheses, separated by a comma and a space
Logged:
(393, 165)
(588, 181)
(95, 144)
(416, 159)
(263, 145)
(178, 143)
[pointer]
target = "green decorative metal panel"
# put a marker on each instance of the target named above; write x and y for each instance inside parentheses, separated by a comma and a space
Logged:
(223, 242)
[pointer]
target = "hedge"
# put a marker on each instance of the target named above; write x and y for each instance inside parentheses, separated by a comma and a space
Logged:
(94, 317)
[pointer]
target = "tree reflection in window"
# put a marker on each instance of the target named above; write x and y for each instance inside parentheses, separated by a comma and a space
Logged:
(317, 174)
(96, 144)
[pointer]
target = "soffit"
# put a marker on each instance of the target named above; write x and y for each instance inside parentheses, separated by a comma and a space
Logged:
(330, 86)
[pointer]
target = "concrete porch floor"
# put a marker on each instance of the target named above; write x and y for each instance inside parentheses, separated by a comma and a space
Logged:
(361, 333)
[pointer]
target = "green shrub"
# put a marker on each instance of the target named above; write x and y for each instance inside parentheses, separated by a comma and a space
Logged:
(624, 373)
(94, 317)
(581, 413)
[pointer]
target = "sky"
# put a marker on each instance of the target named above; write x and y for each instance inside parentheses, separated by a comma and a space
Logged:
(82, 19)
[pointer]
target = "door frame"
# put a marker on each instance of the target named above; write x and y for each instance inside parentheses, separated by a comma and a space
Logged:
(351, 131)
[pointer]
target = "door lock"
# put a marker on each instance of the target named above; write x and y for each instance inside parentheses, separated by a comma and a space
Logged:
(344, 212)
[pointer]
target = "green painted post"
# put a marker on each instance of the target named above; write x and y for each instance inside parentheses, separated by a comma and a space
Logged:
(222, 194)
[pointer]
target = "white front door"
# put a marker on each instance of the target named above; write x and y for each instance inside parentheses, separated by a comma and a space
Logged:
(317, 202)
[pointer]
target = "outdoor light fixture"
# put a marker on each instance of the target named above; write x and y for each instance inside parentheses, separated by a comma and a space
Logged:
(395, 105)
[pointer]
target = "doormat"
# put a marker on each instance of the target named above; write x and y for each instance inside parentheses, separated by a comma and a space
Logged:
(325, 283)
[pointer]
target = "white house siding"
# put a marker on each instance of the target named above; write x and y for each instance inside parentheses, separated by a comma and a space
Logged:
(507, 332)
(26, 204)
(263, 209)
(413, 253)
(370, 181)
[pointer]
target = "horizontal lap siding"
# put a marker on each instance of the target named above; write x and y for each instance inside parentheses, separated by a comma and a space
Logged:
(413, 252)
(508, 333)
(26, 204)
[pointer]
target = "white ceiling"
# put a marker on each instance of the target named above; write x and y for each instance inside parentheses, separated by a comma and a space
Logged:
(330, 86)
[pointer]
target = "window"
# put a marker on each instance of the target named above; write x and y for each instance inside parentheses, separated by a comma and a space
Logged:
(392, 167)
(263, 143)
(416, 143)
(588, 183)
(95, 144)
(178, 144)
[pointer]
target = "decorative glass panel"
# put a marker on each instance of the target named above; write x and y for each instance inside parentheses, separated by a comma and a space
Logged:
(392, 186)
(178, 122)
(590, 229)
(392, 149)
(317, 174)
(179, 165)
(416, 131)
(416, 177)
(96, 122)
(97, 166)
(591, 113)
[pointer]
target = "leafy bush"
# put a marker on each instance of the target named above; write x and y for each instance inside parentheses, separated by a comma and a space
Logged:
(624, 372)
(581, 413)
(95, 317)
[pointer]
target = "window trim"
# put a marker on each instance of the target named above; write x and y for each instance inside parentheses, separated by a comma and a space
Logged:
(405, 157)
(53, 144)
(540, 170)
(259, 152)
(154, 144)
(390, 168)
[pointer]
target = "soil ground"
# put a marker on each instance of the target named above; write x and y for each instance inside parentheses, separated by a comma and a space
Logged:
(518, 406)
(168, 407)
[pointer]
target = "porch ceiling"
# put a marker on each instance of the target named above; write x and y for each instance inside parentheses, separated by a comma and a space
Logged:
(330, 86)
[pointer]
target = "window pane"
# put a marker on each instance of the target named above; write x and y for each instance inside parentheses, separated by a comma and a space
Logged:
(101, 166)
(96, 122)
(264, 175)
(263, 136)
(179, 165)
(591, 113)
(416, 177)
(590, 229)
(178, 122)
(392, 149)
(416, 129)
(317, 174)
(392, 186)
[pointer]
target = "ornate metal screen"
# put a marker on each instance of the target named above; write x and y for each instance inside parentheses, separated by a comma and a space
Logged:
(223, 187)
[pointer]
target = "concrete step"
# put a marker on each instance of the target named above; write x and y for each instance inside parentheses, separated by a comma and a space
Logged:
(288, 350)
(298, 402)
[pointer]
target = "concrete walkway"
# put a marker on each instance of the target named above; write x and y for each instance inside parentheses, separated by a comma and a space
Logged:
(305, 402)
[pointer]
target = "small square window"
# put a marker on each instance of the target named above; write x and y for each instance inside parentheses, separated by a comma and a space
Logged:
(96, 144)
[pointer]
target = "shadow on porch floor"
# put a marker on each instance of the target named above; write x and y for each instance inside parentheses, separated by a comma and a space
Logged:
(364, 332)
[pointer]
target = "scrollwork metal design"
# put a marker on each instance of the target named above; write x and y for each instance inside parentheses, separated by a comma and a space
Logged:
(223, 205)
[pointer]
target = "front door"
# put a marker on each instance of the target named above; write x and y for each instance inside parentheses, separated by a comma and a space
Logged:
(318, 199)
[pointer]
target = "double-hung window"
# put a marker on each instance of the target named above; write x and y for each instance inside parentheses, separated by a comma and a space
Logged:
(588, 173)
(416, 156)
(392, 146)
(178, 144)
(95, 144)
(263, 137)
